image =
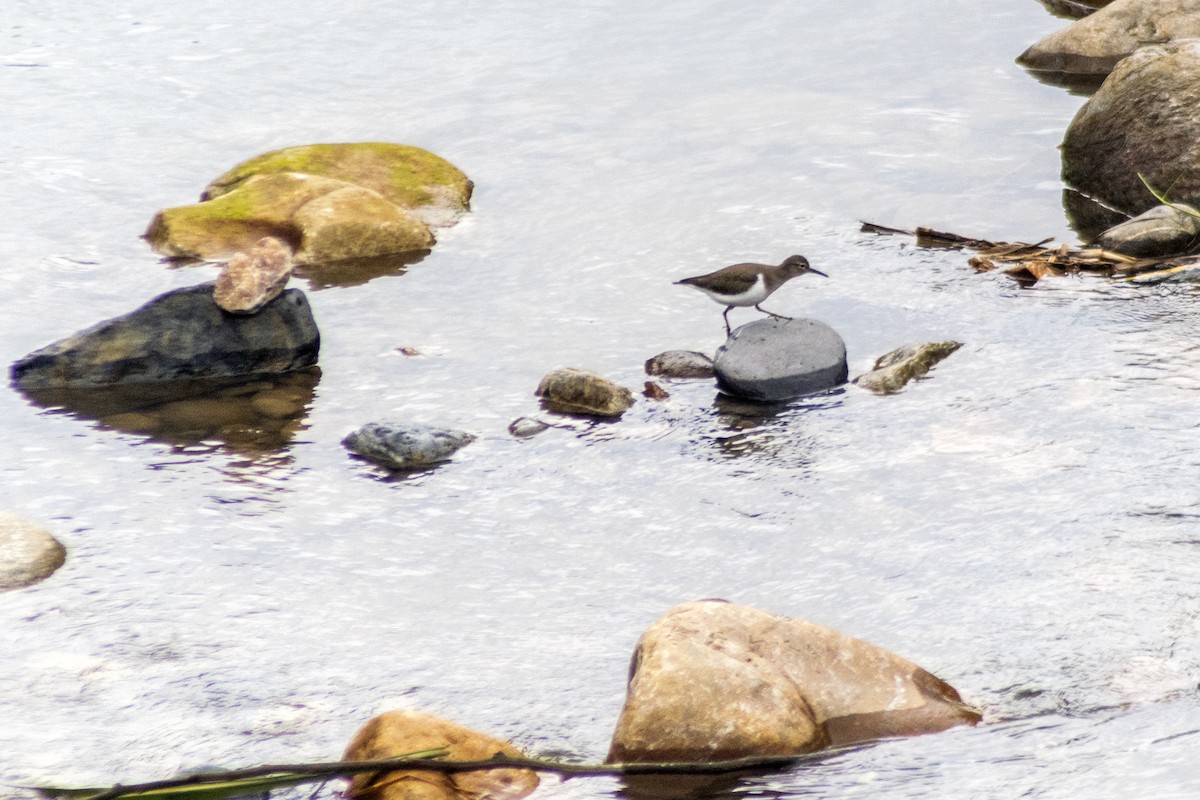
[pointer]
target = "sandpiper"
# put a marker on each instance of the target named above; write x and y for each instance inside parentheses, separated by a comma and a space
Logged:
(749, 284)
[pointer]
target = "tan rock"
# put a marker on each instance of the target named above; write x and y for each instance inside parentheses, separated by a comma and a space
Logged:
(28, 554)
(398, 732)
(577, 391)
(252, 279)
(353, 222)
(894, 370)
(1097, 42)
(262, 205)
(712, 680)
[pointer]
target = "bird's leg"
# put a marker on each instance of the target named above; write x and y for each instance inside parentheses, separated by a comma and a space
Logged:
(772, 313)
(728, 330)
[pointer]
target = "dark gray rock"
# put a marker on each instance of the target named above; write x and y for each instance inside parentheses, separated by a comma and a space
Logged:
(680, 364)
(1097, 42)
(777, 359)
(397, 445)
(180, 335)
(895, 369)
(28, 554)
(1162, 231)
(1144, 120)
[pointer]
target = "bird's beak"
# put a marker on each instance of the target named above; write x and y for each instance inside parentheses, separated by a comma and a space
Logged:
(817, 271)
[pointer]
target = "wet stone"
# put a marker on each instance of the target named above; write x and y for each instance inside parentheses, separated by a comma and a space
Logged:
(28, 554)
(396, 733)
(525, 427)
(680, 364)
(712, 680)
(179, 335)
(400, 446)
(773, 359)
(1164, 230)
(894, 370)
(577, 391)
(254, 278)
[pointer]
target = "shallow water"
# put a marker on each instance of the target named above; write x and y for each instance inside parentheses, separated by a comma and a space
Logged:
(1024, 524)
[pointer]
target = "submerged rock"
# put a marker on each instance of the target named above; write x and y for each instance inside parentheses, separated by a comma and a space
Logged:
(252, 279)
(28, 554)
(403, 446)
(396, 733)
(1097, 42)
(894, 370)
(577, 391)
(1144, 120)
(1165, 230)
(525, 427)
(680, 364)
(179, 335)
(777, 359)
(712, 680)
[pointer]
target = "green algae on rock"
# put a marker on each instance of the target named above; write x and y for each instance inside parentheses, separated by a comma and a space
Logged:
(329, 202)
(412, 178)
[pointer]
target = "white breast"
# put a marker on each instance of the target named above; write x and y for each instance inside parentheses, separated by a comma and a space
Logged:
(751, 297)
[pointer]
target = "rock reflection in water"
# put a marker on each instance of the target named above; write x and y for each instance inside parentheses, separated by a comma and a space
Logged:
(337, 274)
(251, 415)
(765, 430)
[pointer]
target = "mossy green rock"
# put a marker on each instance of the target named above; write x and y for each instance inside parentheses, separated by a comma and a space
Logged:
(412, 178)
(329, 202)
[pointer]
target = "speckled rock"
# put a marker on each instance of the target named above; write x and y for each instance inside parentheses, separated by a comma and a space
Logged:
(680, 364)
(28, 554)
(402, 446)
(179, 335)
(770, 360)
(894, 370)
(252, 279)
(577, 391)
(1144, 119)
(1097, 42)
(1165, 230)
(712, 680)
(399, 732)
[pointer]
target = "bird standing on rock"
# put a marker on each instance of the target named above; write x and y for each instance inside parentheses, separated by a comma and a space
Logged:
(748, 284)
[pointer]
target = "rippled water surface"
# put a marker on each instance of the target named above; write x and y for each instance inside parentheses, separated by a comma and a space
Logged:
(1025, 523)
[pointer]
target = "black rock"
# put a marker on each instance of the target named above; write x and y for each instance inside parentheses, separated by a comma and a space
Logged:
(777, 359)
(180, 335)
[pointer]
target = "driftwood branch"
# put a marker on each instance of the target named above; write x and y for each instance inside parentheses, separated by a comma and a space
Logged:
(291, 774)
(1028, 263)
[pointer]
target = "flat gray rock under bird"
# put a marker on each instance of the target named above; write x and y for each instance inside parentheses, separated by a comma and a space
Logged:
(771, 360)
(745, 285)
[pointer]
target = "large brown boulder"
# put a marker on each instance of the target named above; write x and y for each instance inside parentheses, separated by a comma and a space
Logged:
(1095, 44)
(1144, 120)
(397, 733)
(712, 680)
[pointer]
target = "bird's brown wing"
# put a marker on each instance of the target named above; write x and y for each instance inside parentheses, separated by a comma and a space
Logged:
(733, 279)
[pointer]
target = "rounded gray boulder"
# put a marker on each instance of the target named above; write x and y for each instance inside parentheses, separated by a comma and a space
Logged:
(773, 359)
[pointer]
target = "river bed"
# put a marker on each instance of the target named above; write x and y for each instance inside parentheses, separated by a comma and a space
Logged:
(1024, 523)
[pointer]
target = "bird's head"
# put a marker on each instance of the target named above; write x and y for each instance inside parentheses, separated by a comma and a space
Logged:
(798, 265)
